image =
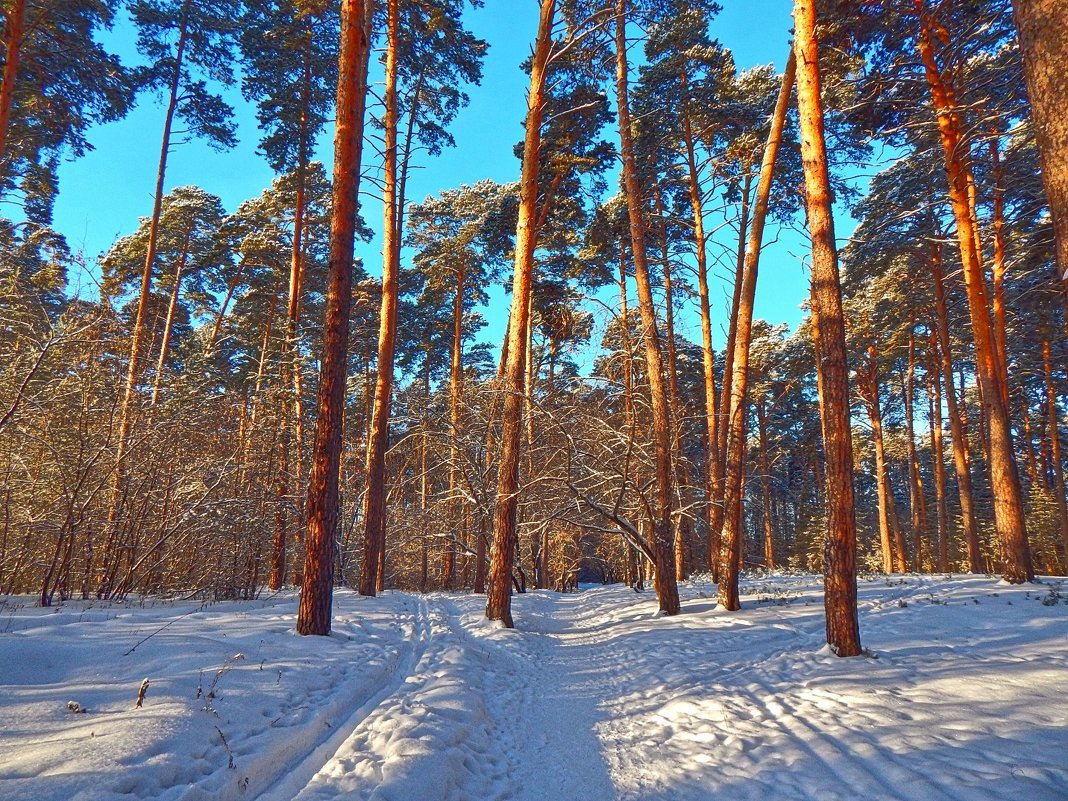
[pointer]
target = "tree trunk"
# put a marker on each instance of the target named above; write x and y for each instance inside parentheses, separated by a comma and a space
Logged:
(455, 404)
(765, 484)
(375, 510)
(1004, 479)
(840, 546)
(681, 523)
(917, 502)
(958, 435)
(720, 512)
(14, 31)
(1055, 449)
(1044, 48)
(316, 596)
(938, 452)
(667, 590)
(499, 600)
(708, 356)
(168, 326)
(735, 403)
(889, 527)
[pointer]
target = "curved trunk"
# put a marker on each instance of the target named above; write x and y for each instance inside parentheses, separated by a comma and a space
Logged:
(738, 383)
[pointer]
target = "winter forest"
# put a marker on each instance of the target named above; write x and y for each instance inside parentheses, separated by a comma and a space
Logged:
(570, 518)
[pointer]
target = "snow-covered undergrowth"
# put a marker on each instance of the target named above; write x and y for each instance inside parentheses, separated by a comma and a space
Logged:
(593, 697)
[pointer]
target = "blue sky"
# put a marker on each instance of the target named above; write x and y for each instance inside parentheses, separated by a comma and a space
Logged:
(103, 194)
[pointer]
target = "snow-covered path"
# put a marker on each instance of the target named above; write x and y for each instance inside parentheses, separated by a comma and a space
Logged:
(592, 698)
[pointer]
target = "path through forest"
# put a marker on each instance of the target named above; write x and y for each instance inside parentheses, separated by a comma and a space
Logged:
(592, 698)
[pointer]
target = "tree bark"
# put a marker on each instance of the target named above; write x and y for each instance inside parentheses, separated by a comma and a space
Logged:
(1044, 48)
(707, 354)
(840, 545)
(499, 596)
(889, 526)
(1004, 478)
(667, 590)
(14, 31)
(168, 326)
(917, 502)
(958, 435)
(734, 405)
(456, 389)
(1055, 449)
(934, 379)
(316, 595)
(375, 510)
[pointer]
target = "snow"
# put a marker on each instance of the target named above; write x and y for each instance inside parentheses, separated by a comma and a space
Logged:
(593, 697)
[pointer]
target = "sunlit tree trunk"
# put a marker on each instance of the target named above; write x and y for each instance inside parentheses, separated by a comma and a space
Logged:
(693, 186)
(1055, 448)
(958, 435)
(664, 580)
(917, 502)
(934, 390)
(14, 32)
(1044, 48)
(316, 595)
(840, 545)
(375, 505)
(448, 566)
(735, 403)
(502, 560)
(168, 325)
(1004, 479)
(889, 526)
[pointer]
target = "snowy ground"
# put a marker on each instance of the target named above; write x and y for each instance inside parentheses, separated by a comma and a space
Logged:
(593, 698)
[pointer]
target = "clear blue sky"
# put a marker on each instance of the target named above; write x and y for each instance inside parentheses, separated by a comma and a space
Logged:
(103, 194)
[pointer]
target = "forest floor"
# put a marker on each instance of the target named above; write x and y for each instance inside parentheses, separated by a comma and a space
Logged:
(593, 697)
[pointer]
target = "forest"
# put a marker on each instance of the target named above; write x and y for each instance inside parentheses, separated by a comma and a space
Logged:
(253, 399)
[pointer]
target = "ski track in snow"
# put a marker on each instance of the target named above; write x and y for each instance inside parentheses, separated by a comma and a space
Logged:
(592, 698)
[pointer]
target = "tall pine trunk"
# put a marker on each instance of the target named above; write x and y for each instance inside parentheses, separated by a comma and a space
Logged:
(840, 545)
(499, 600)
(917, 502)
(1044, 48)
(708, 358)
(14, 32)
(934, 417)
(957, 432)
(375, 512)
(734, 405)
(1004, 478)
(316, 595)
(667, 590)
(1055, 449)
(168, 326)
